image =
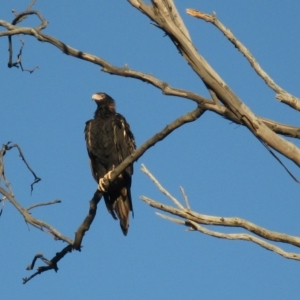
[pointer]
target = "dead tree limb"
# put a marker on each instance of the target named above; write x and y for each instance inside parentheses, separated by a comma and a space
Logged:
(160, 13)
(42, 204)
(281, 95)
(41, 225)
(50, 264)
(194, 221)
(36, 178)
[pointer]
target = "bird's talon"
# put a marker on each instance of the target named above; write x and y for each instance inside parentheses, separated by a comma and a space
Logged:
(101, 185)
(108, 175)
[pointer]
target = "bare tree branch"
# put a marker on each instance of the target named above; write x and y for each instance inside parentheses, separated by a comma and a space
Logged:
(172, 10)
(185, 198)
(18, 19)
(161, 188)
(194, 220)
(232, 236)
(19, 60)
(42, 204)
(213, 81)
(282, 95)
(2, 153)
(36, 178)
(30, 5)
(50, 264)
(33, 221)
(230, 222)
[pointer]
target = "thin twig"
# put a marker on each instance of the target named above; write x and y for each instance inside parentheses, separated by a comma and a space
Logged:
(185, 198)
(43, 204)
(36, 178)
(18, 19)
(160, 187)
(33, 221)
(30, 5)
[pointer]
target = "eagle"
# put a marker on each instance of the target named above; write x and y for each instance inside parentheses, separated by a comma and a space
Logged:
(109, 141)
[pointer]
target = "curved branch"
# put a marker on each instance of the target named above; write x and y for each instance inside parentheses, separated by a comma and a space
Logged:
(20, 17)
(228, 222)
(282, 95)
(232, 236)
(42, 204)
(194, 219)
(33, 221)
(36, 178)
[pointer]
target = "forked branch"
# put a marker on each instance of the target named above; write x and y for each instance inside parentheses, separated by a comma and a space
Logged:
(160, 13)
(194, 221)
(282, 95)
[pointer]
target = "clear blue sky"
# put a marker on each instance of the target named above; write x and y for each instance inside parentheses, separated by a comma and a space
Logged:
(223, 168)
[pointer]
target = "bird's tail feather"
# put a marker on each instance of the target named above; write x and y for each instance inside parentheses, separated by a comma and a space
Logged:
(122, 209)
(120, 205)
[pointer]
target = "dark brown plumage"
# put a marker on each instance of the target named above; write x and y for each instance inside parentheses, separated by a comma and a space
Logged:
(109, 141)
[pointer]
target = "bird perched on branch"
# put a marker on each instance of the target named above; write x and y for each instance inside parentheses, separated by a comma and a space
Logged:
(109, 141)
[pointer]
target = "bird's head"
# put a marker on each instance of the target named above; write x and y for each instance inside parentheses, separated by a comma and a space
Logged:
(103, 99)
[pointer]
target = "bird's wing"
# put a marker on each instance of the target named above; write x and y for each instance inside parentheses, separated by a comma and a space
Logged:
(123, 139)
(88, 139)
